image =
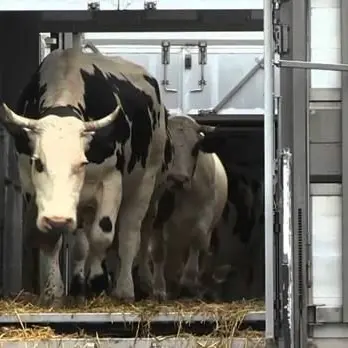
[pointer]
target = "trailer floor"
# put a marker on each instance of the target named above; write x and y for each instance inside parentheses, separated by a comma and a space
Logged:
(135, 343)
(120, 325)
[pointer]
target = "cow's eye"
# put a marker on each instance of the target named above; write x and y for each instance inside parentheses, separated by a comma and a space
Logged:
(38, 165)
(83, 164)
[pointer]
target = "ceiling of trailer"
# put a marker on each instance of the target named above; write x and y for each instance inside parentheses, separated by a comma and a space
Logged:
(25, 5)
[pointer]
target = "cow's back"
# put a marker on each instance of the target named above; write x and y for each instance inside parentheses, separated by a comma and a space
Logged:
(88, 82)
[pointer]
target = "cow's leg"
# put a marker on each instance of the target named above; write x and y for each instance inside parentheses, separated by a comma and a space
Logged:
(147, 231)
(102, 233)
(144, 272)
(53, 292)
(200, 244)
(132, 214)
(79, 254)
(189, 279)
(159, 251)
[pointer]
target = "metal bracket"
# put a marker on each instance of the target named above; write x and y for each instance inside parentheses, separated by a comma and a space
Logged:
(202, 60)
(150, 5)
(93, 6)
(165, 62)
(50, 41)
(281, 38)
(312, 314)
(278, 3)
(91, 46)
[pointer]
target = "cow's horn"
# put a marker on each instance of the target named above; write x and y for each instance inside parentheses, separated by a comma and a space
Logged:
(94, 125)
(206, 129)
(9, 116)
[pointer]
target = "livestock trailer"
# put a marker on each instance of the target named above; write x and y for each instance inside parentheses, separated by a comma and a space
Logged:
(281, 97)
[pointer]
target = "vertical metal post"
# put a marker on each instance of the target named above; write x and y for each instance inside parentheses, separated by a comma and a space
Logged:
(294, 134)
(344, 52)
(300, 42)
(268, 167)
(287, 248)
(77, 39)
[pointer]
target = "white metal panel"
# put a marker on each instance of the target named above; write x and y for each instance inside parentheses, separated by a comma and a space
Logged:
(325, 41)
(225, 67)
(326, 241)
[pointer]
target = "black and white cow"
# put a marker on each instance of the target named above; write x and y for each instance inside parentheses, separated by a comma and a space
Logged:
(186, 208)
(90, 132)
(237, 259)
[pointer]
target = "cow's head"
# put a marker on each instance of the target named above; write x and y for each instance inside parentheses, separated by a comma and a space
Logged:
(188, 138)
(58, 162)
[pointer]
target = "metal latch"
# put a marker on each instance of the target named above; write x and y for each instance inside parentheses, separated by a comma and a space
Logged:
(166, 62)
(281, 38)
(150, 5)
(94, 6)
(278, 3)
(202, 60)
(312, 314)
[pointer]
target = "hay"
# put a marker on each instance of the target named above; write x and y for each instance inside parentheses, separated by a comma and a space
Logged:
(28, 303)
(227, 316)
(32, 333)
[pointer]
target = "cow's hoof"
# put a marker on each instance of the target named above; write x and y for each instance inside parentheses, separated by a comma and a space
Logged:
(146, 287)
(76, 301)
(122, 296)
(159, 295)
(52, 302)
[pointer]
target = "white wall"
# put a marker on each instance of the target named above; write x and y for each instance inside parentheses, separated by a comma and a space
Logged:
(325, 41)
(326, 210)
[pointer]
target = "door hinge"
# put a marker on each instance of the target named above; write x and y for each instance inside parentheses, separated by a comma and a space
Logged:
(312, 314)
(281, 38)
(278, 3)
(276, 223)
(277, 315)
(309, 269)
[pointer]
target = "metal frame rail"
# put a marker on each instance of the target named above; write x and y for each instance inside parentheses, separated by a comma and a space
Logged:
(139, 20)
(50, 318)
(135, 343)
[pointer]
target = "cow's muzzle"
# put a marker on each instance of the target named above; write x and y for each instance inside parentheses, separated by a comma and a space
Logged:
(59, 222)
(179, 181)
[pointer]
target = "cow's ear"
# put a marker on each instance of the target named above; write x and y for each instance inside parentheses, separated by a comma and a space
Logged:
(208, 143)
